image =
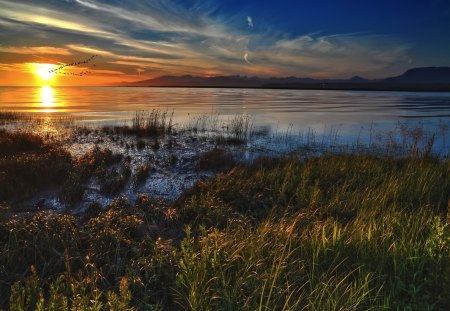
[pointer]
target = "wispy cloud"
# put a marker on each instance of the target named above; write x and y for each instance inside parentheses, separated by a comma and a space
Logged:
(336, 55)
(49, 50)
(167, 37)
(246, 58)
(250, 21)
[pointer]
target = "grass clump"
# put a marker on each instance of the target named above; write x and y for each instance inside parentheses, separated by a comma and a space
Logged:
(28, 165)
(145, 124)
(96, 163)
(140, 144)
(152, 123)
(141, 174)
(12, 143)
(114, 180)
(215, 159)
(237, 132)
(109, 261)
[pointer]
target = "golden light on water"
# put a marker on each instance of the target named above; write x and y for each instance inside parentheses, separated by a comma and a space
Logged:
(47, 100)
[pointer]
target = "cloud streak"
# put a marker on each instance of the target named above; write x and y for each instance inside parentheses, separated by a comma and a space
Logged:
(246, 58)
(165, 37)
(250, 21)
(48, 50)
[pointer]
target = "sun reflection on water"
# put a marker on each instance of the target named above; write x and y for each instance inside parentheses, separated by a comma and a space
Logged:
(47, 99)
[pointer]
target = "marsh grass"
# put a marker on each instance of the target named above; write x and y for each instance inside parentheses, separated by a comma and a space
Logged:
(141, 175)
(216, 159)
(152, 123)
(236, 130)
(338, 232)
(28, 165)
(347, 232)
(98, 163)
(108, 259)
(12, 116)
(19, 142)
(324, 232)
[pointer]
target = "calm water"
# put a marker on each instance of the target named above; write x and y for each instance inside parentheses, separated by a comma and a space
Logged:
(349, 113)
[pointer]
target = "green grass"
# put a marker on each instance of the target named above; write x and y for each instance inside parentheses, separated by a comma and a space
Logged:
(338, 232)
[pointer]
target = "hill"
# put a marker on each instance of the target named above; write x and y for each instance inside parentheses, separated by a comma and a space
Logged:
(416, 79)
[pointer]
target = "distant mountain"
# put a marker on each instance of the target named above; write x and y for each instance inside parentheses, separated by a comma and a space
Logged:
(232, 81)
(420, 79)
(192, 81)
(425, 75)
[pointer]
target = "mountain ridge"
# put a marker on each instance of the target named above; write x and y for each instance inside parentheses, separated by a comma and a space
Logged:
(421, 79)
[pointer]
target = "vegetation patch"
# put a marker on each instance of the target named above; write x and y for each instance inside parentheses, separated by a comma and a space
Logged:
(145, 124)
(18, 142)
(329, 232)
(141, 174)
(96, 163)
(216, 159)
(28, 165)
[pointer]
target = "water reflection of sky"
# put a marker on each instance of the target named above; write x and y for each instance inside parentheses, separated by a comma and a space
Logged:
(347, 112)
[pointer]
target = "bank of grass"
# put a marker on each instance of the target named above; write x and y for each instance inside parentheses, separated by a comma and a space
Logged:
(28, 165)
(340, 232)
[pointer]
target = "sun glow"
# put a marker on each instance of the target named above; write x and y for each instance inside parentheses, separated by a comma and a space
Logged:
(43, 71)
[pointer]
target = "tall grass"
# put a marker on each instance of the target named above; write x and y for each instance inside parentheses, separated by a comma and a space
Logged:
(155, 122)
(10, 116)
(234, 130)
(332, 232)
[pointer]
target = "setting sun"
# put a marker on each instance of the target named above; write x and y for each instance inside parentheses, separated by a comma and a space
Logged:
(43, 71)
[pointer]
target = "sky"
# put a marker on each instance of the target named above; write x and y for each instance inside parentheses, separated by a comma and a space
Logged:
(136, 40)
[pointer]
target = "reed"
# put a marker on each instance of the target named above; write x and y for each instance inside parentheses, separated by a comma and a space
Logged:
(236, 130)
(153, 123)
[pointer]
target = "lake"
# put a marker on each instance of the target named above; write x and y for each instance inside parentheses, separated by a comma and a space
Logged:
(351, 115)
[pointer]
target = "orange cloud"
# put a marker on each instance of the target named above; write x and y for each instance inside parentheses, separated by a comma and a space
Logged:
(50, 50)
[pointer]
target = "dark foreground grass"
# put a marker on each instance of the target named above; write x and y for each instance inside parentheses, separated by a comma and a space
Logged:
(341, 232)
(28, 164)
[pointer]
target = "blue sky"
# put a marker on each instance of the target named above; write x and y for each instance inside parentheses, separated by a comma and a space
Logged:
(143, 39)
